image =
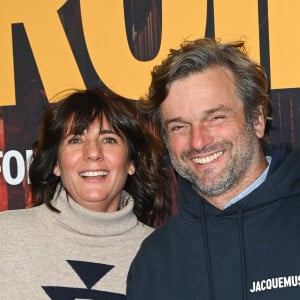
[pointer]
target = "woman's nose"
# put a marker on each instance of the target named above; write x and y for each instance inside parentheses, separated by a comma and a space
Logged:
(93, 151)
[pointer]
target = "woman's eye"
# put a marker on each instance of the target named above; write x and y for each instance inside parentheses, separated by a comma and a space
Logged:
(74, 140)
(109, 140)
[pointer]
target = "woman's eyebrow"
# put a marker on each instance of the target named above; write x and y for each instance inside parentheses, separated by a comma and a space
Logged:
(107, 131)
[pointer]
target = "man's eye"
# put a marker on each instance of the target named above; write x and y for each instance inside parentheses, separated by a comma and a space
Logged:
(218, 117)
(179, 129)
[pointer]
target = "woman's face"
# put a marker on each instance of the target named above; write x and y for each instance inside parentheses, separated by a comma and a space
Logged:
(94, 167)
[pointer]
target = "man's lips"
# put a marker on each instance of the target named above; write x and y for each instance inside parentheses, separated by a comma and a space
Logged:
(207, 159)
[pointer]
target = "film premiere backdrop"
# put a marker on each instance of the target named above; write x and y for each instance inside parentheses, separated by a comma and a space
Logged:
(49, 46)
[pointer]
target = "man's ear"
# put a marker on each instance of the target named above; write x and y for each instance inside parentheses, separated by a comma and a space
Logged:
(259, 123)
(56, 170)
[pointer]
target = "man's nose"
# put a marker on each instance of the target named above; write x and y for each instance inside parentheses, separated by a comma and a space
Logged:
(201, 136)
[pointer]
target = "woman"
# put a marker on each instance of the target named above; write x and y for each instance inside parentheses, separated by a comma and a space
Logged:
(95, 178)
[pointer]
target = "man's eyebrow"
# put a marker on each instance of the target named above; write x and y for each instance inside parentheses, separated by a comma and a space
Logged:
(221, 108)
(175, 120)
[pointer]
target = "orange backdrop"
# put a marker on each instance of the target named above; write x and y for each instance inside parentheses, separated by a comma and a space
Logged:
(51, 45)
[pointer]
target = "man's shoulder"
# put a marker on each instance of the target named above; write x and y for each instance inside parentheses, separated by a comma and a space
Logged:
(161, 237)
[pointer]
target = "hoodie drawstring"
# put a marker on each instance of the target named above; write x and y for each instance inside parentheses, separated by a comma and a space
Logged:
(207, 255)
(242, 252)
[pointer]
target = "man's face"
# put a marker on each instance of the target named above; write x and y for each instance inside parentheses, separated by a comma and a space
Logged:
(207, 136)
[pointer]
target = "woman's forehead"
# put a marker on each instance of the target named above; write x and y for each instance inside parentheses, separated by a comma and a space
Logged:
(75, 125)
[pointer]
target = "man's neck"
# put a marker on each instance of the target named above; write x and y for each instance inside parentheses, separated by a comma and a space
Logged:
(221, 201)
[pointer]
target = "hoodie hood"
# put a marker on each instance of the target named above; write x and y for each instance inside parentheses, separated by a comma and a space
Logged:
(283, 181)
(250, 250)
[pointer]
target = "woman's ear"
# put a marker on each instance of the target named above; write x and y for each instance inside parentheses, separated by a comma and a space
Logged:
(131, 169)
(56, 170)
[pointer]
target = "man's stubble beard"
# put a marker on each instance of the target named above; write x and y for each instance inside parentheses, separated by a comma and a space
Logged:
(240, 161)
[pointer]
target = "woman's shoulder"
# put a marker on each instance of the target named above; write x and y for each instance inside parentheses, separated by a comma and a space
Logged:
(142, 230)
(20, 217)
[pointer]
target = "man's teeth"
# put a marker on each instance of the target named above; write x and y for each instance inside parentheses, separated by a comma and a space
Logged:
(207, 159)
(93, 173)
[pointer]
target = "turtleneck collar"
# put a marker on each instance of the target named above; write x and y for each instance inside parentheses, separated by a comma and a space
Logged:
(87, 222)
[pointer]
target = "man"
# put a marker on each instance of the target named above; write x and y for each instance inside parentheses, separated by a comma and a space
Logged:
(237, 232)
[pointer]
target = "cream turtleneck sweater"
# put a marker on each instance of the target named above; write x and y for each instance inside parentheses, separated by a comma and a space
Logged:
(74, 254)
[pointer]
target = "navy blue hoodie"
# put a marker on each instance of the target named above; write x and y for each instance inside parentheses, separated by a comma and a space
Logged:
(250, 250)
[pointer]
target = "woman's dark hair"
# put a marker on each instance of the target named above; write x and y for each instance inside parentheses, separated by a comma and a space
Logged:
(148, 185)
